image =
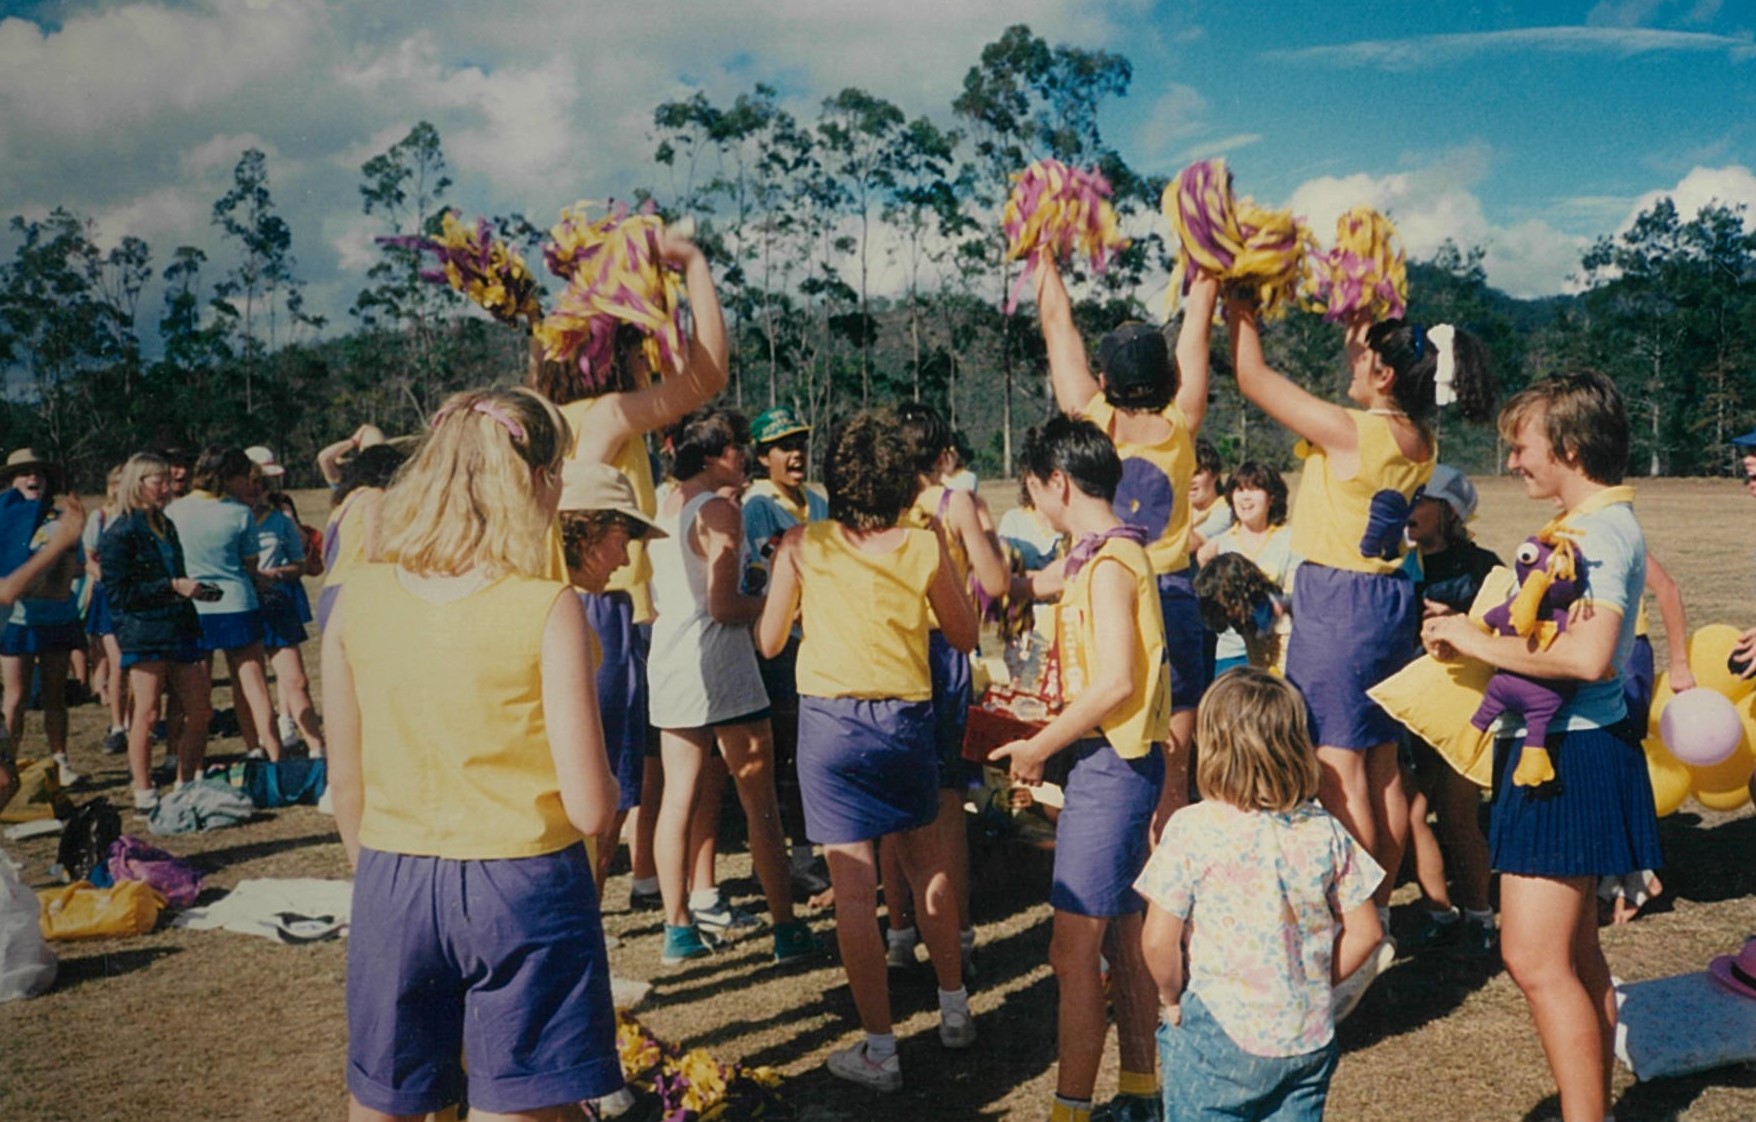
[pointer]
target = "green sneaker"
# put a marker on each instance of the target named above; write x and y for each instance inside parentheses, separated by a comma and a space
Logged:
(794, 942)
(681, 945)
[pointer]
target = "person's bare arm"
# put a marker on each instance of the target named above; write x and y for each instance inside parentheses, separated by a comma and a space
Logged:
(625, 416)
(341, 733)
(1361, 932)
(776, 623)
(964, 515)
(719, 529)
(1194, 344)
(1323, 423)
(951, 603)
(63, 536)
(570, 711)
(1161, 942)
(1584, 652)
(1069, 369)
(1670, 611)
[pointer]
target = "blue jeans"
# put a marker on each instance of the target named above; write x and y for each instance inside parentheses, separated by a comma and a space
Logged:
(1207, 1078)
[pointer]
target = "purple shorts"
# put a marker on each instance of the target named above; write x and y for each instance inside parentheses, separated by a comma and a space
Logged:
(1185, 638)
(1350, 632)
(951, 702)
(500, 961)
(866, 768)
(621, 688)
(1102, 837)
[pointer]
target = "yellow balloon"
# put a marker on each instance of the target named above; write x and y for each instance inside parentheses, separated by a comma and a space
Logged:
(1708, 650)
(1723, 800)
(1670, 779)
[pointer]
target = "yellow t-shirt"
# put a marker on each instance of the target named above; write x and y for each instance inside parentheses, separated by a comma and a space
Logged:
(1154, 494)
(1145, 718)
(453, 746)
(635, 577)
(1358, 524)
(865, 615)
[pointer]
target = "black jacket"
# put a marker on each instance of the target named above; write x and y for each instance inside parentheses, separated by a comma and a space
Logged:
(150, 616)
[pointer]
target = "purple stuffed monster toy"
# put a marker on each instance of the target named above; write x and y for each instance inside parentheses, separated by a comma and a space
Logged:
(1549, 568)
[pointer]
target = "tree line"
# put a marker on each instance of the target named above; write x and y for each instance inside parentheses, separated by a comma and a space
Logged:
(860, 259)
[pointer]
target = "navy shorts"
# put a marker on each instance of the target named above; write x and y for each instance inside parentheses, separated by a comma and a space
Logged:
(1350, 631)
(1102, 837)
(281, 626)
(1185, 638)
(500, 961)
(99, 620)
(228, 631)
(621, 688)
(187, 651)
(20, 640)
(866, 768)
(951, 702)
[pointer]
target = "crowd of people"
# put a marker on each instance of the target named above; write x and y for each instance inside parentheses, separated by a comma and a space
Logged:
(532, 632)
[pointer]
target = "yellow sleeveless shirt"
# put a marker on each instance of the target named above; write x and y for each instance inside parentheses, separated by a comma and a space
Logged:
(1145, 718)
(1357, 524)
(453, 745)
(865, 615)
(1154, 494)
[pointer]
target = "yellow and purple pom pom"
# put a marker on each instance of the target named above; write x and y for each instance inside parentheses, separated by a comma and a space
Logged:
(614, 276)
(479, 265)
(1055, 212)
(1367, 270)
(1234, 240)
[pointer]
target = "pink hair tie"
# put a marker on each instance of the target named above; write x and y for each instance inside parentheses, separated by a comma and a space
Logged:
(489, 410)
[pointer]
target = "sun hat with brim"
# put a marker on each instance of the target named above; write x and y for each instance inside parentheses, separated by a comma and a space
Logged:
(22, 460)
(593, 486)
(775, 424)
(1748, 440)
(263, 457)
(1737, 972)
(1453, 488)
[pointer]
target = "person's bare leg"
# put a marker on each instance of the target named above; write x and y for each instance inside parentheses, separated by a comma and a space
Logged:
(899, 899)
(1429, 859)
(710, 796)
(685, 751)
(1080, 1026)
(954, 845)
(1343, 790)
(853, 871)
(295, 692)
(923, 865)
(250, 698)
(117, 696)
(1389, 815)
(652, 789)
(145, 681)
(14, 691)
(193, 683)
(1133, 993)
(1539, 941)
(748, 752)
(1460, 825)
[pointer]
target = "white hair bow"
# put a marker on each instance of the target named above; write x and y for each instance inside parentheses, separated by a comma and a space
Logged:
(1445, 377)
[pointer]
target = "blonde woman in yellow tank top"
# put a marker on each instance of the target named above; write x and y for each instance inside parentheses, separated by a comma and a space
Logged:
(467, 765)
(1356, 619)
(609, 424)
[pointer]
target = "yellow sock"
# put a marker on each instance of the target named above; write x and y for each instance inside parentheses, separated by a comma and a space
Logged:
(1144, 1084)
(1070, 1110)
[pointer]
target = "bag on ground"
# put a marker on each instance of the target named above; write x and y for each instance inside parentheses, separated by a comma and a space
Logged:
(92, 828)
(27, 965)
(38, 795)
(296, 779)
(83, 911)
(136, 860)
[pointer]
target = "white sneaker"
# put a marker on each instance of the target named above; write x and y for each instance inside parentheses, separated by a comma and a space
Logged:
(67, 776)
(289, 732)
(615, 1104)
(146, 801)
(1352, 988)
(325, 804)
(852, 1065)
(956, 1030)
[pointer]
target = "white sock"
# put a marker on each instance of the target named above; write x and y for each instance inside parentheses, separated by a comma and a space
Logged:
(902, 936)
(1485, 917)
(646, 885)
(1445, 918)
(880, 1046)
(118, 728)
(966, 938)
(1384, 920)
(954, 1001)
(703, 899)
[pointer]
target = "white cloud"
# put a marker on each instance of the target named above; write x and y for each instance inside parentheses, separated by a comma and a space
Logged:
(175, 217)
(1420, 51)
(1729, 185)
(1177, 114)
(1219, 146)
(216, 157)
(1433, 203)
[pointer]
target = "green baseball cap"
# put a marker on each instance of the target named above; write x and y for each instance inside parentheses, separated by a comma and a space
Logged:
(774, 424)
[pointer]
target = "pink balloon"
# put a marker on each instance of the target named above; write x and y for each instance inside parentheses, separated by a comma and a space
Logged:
(1700, 727)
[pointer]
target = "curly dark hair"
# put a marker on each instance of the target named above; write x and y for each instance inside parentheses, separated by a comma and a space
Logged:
(1232, 590)
(870, 471)
(1253, 475)
(927, 434)
(582, 529)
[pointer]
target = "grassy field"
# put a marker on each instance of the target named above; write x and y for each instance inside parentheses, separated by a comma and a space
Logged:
(213, 1025)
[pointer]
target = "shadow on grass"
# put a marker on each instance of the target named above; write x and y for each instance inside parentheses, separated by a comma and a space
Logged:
(1415, 992)
(107, 964)
(213, 860)
(1665, 1100)
(1708, 865)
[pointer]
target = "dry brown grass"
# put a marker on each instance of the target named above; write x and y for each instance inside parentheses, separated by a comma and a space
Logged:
(212, 1025)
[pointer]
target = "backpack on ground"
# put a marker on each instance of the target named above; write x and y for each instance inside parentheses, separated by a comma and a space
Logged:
(92, 828)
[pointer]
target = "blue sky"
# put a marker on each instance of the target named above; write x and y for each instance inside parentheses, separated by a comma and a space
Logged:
(1528, 128)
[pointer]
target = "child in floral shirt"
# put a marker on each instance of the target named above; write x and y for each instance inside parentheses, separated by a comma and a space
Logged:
(1264, 880)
